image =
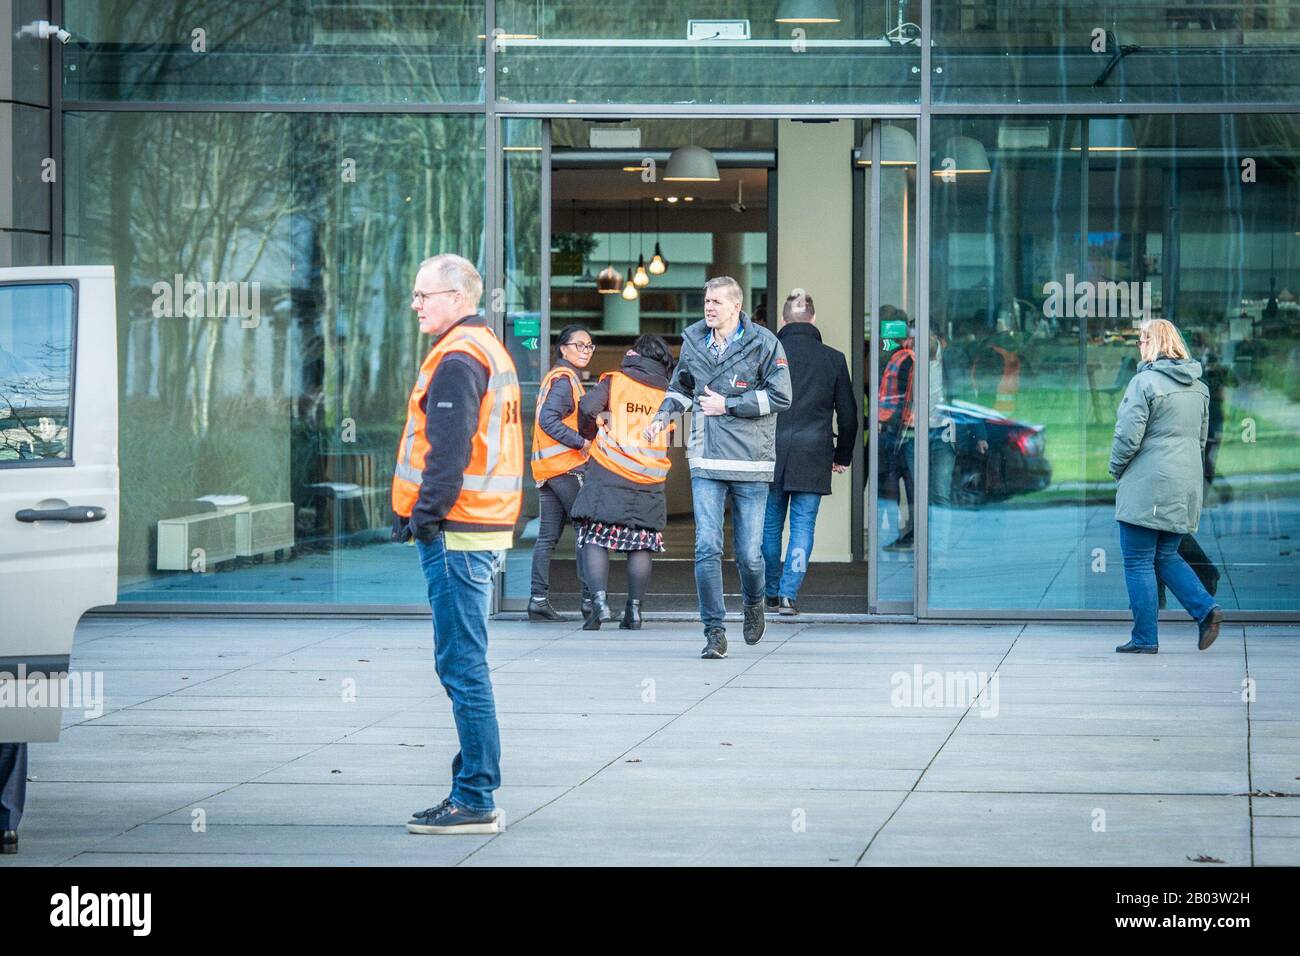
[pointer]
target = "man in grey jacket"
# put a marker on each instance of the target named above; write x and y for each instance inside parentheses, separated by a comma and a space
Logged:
(734, 374)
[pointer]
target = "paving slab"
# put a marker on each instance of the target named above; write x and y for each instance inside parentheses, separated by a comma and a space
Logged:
(309, 741)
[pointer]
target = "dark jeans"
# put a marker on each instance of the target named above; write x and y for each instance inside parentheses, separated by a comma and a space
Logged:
(784, 579)
(13, 784)
(460, 589)
(1150, 554)
(748, 506)
(555, 506)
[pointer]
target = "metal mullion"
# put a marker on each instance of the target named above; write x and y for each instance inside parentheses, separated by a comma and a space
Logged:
(739, 111)
(1104, 109)
(927, 72)
(921, 480)
(861, 472)
(56, 142)
(219, 106)
(544, 271)
(873, 455)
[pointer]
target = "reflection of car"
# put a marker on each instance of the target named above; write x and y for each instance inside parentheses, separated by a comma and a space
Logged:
(1014, 465)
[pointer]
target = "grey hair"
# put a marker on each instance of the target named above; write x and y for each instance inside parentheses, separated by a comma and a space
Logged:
(457, 273)
(728, 283)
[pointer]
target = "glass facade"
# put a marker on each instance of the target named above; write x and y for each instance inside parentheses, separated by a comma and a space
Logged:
(1118, 51)
(266, 176)
(731, 52)
(1042, 262)
(275, 51)
(264, 265)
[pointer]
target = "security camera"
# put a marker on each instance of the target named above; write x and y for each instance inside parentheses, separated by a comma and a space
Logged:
(44, 30)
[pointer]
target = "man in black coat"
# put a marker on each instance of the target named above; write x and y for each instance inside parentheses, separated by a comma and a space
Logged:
(808, 449)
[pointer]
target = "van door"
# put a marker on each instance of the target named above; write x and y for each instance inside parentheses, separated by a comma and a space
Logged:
(58, 480)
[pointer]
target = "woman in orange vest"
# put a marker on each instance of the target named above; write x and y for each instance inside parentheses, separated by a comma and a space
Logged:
(558, 458)
(621, 506)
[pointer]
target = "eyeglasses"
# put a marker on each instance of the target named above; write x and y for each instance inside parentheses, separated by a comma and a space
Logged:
(419, 296)
(580, 346)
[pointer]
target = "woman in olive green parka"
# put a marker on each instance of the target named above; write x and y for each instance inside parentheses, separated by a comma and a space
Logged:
(1155, 457)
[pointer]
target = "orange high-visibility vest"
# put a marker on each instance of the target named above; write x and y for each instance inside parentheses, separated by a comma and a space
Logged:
(619, 446)
(550, 456)
(492, 493)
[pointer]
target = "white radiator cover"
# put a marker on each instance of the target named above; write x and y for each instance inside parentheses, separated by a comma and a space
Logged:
(261, 529)
(213, 532)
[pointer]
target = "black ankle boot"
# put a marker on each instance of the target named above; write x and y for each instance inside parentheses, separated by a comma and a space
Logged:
(599, 611)
(631, 616)
(540, 609)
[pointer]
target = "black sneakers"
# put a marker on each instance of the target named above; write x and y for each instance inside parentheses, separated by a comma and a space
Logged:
(755, 623)
(9, 841)
(788, 607)
(773, 602)
(1209, 628)
(715, 644)
(432, 811)
(540, 609)
(448, 819)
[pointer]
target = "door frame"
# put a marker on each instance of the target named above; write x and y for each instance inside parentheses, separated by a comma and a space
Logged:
(863, 386)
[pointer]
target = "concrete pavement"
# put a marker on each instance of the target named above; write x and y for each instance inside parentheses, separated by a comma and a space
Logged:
(273, 742)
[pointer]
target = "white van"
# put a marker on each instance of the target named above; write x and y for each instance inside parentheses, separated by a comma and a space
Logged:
(58, 480)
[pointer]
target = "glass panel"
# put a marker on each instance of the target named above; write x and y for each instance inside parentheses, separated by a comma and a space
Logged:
(1117, 51)
(36, 347)
(272, 51)
(1009, 439)
(893, 332)
(1192, 219)
(732, 51)
(522, 303)
(1205, 210)
(264, 267)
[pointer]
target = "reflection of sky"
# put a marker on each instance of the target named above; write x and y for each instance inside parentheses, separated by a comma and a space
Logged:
(35, 334)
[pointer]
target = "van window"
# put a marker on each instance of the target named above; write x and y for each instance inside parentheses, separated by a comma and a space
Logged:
(36, 373)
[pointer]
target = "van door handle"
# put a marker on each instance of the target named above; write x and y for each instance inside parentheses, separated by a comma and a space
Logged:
(77, 514)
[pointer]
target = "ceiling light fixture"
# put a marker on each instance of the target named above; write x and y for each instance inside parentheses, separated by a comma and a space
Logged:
(968, 156)
(609, 281)
(691, 164)
(658, 264)
(897, 147)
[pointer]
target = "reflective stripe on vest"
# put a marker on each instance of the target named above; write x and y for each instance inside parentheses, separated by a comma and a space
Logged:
(631, 408)
(552, 457)
(491, 492)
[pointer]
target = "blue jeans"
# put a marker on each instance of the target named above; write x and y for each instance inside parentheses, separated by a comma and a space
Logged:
(13, 784)
(748, 502)
(784, 581)
(1148, 553)
(460, 591)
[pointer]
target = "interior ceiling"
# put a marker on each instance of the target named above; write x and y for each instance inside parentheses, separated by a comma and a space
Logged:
(671, 133)
(595, 186)
(600, 200)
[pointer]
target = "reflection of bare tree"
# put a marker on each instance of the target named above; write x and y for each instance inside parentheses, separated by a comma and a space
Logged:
(209, 214)
(34, 404)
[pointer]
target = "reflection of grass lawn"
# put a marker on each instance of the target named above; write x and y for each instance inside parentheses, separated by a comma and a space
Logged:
(1078, 439)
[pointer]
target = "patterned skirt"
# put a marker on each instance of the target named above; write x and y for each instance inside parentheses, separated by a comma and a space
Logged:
(617, 537)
